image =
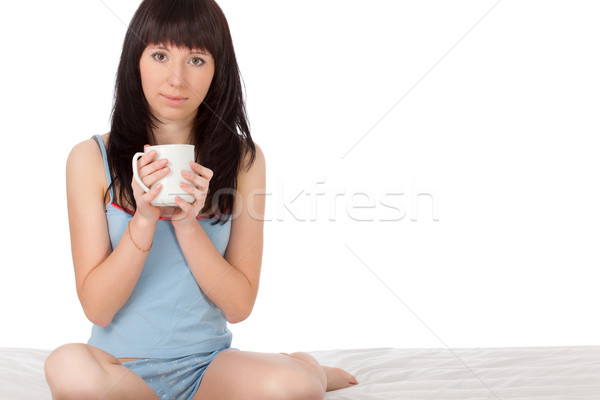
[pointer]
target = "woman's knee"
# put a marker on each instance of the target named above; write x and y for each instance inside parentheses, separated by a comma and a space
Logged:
(312, 365)
(72, 372)
(293, 384)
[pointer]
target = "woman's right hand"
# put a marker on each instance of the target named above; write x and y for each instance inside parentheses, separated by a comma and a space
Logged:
(150, 172)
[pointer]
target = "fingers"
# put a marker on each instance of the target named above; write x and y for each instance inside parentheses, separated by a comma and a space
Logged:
(184, 205)
(202, 171)
(198, 193)
(200, 178)
(145, 161)
(138, 192)
(154, 175)
(197, 180)
(152, 171)
(146, 158)
(149, 196)
(143, 200)
(198, 189)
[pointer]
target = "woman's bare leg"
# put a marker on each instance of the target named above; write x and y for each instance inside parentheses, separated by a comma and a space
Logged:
(80, 371)
(337, 378)
(264, 376)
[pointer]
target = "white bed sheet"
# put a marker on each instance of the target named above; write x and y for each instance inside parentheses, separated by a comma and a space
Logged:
(557, 373)
(22, 374)
(550, 373)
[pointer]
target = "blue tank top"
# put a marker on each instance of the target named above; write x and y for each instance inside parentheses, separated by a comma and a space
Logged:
(167, 314)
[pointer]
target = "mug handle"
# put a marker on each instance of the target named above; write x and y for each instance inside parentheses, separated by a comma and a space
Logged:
(136, 175)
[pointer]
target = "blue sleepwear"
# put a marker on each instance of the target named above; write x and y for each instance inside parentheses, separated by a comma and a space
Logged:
(173, 378)
(168, 322)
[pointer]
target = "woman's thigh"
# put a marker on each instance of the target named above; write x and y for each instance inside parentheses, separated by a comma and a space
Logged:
(251, 375)
(78, 370)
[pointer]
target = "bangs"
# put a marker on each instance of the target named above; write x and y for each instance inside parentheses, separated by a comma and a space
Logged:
(182, 23)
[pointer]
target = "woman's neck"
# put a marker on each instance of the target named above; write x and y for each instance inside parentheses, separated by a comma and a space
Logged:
(173, 132)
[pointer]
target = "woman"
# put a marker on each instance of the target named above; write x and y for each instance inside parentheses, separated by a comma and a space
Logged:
(160, 283)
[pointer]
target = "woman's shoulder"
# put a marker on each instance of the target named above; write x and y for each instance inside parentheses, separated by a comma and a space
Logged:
(252, 172)
(87, 149)
(85, 160)
(252, 160)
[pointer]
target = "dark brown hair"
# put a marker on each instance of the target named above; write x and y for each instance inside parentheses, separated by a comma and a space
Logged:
(221, 131)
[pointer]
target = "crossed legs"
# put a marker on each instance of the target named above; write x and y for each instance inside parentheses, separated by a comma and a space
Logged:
(79, 371)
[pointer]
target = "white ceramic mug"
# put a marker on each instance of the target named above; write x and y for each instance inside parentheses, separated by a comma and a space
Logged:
(179, 156)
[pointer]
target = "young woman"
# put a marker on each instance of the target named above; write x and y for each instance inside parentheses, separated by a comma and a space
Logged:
(161, 283)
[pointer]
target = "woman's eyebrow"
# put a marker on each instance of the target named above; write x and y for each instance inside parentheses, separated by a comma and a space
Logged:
(201, 51)
(162, 47)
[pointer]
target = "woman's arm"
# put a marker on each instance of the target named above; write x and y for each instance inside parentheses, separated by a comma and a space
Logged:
(231, 282)
(104, 278)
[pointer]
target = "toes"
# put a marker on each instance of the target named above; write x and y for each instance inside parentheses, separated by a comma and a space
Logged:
(351, 379)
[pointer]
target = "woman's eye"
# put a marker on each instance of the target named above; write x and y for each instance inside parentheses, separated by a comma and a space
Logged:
(159, 56)
(197, 61)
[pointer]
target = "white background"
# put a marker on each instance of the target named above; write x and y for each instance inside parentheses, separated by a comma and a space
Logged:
(482, 133)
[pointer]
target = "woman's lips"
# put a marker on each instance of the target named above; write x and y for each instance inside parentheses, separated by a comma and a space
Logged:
(173, 100)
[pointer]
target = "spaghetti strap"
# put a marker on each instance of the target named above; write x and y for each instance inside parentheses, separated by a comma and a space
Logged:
(100, 144)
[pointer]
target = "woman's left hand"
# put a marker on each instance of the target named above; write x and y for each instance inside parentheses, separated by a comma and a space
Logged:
(186, 213)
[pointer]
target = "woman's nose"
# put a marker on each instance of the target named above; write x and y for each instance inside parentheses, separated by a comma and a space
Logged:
(175, 76)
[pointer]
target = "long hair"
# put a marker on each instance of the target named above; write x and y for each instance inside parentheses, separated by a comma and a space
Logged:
(220, 133)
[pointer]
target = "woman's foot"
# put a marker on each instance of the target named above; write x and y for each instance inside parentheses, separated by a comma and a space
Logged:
(337, 378)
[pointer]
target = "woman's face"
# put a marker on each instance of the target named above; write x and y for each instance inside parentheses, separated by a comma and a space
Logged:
(175, 80)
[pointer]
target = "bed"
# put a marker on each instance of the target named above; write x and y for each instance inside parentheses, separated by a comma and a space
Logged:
(557, 373)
